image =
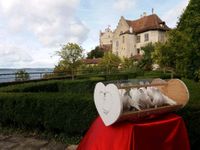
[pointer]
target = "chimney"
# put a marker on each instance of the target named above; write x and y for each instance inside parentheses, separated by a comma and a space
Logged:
(144, 14)
(152, 10)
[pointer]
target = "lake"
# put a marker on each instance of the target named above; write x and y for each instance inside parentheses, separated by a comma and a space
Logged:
(8, 75)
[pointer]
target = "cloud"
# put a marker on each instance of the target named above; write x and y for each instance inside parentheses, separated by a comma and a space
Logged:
(173, 14)
(12, 55)
(51, 22)
(32, 30)
(124, 5)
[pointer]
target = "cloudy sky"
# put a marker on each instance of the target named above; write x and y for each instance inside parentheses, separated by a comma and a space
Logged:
(32, 30)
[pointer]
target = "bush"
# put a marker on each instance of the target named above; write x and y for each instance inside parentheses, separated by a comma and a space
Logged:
(77, 86)
(191, 115)
(55, 112)
(69, 109)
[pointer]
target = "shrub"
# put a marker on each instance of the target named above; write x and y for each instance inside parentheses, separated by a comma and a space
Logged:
(56, 112)
(77, 86)
(191, 115)
(70, 108)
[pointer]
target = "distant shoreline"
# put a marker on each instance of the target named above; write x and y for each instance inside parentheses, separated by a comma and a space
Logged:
(8, 74)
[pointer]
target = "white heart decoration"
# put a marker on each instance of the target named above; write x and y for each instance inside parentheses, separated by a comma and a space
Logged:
(108, 103)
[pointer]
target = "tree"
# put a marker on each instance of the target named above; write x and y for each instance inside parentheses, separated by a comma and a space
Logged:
(189, 27)
(128, 63)
(70, 56)
(110, 62)
(182, 50)
(147, 62)
(163, 55)
(95, 53)
(21, 75)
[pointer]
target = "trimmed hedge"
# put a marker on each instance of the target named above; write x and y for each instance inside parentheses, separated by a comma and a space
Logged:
(59, 113)
(77, 86)
(191, 117)
(67, 107)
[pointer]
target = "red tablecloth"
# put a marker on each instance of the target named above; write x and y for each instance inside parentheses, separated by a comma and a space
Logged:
(165, 133)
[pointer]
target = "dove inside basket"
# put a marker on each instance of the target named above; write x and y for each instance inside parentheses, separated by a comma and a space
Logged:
(133, 99)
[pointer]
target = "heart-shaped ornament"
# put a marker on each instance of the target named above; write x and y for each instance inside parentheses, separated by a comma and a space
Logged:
(108, 103)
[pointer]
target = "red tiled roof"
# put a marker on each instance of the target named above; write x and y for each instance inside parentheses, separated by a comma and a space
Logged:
(91, 61)
(151, 22)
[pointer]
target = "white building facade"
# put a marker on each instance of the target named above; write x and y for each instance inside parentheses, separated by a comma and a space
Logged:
(130, 35)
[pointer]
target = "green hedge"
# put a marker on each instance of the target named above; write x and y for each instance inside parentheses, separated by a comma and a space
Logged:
(191, 117)
(59, 113)
(77, 86)
(67, 107)
(86, 85)
(191, 113)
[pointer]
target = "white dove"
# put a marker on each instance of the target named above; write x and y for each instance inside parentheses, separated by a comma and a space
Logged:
(156, 96)
(124, 97)
(145, 99)
(134, 101)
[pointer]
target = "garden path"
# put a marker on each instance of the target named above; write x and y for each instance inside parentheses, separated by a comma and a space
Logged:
(20, 142)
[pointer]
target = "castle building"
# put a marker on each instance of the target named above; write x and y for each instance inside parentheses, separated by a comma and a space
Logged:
(130, 35)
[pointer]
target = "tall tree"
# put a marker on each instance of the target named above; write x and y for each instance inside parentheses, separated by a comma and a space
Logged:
(147, 62)
(189, 26)
(71, 55)
(129, 63)
(96, 53)
(163, 55)
(110, 62)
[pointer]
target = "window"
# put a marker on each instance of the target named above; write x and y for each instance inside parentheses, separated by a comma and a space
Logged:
(138, 51)
(146, 37)
(123, 39)
(138, 39)
(117, 44)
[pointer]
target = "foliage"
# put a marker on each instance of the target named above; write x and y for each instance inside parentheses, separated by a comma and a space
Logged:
(147, 62)
(71, 113)
(96, 53)
(163, 55)
(186, 41)
(128, 64)
(62, 66)
(110, 62)
(65, 113)
(21, 75)
(182, 50)
(53, 86)
(70, 56)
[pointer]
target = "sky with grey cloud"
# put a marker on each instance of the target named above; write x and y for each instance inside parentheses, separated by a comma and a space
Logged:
(31, 31)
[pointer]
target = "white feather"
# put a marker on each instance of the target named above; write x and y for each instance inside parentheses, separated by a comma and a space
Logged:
(168, 100)
(158, 98)
(145, 98)
(124, 98)
(135, 98)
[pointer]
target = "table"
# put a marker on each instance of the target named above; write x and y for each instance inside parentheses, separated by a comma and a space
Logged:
(168, 132)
